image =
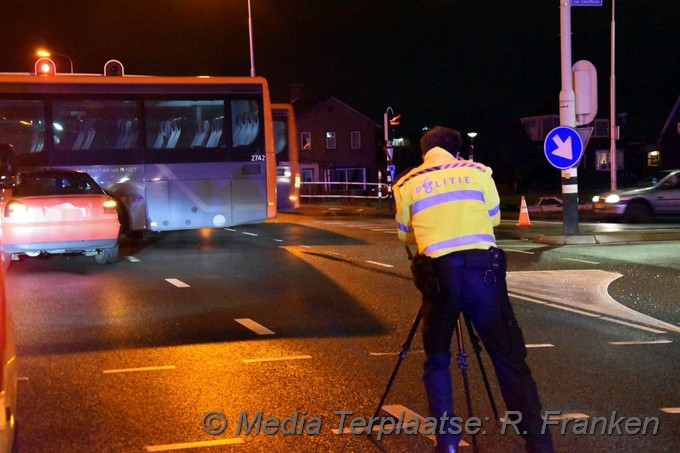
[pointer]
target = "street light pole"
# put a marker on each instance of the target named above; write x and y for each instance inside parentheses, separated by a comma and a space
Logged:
(471, 152)
(250, 37)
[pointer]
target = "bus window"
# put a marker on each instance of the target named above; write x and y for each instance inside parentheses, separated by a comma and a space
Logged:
(22, 124)
(182, 123)
(94, 124)
(245, 122)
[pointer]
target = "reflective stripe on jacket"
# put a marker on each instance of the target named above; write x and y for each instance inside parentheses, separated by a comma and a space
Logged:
(446, 205)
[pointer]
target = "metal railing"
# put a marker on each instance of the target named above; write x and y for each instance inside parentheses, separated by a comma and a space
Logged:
(344, 191)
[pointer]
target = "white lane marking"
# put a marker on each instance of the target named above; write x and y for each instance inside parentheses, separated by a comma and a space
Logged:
(230, 229)
(585, 313)
(205, 443)
(541, 345)
(132, 259)
(627, 343)
(378, 354)
(254, 326)
(580, 261)
(585, 289)
(379, 264)
(397, 410)
(178, 283)
(134, 370)
(671, 410)
(22, 378)
(278, 240)
(278, 359)
(306, 246)
(520, 251)
(630, 324)
(248, 234)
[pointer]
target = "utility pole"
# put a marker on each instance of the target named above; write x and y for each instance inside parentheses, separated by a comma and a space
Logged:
(568, 118)
(613, 129)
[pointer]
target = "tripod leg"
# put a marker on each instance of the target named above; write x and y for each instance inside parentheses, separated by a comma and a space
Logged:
(478, 348)
(405, 347)
(462, 364)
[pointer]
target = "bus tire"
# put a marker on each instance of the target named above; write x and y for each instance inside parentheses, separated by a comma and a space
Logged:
(107, 256)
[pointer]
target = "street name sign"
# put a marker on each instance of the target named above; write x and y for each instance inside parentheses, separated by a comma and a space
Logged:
(563, 147)
(586, 2)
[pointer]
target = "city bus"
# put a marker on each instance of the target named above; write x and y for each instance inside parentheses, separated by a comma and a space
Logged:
(287, 157)
(175, 152)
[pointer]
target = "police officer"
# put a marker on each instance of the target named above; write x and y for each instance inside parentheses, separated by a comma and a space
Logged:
(449, 207)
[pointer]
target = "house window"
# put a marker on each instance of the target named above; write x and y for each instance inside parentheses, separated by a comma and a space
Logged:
(602, 159)
(306, 140)
(330, 140)
(355, 138)
(601, 128)
(653, 158)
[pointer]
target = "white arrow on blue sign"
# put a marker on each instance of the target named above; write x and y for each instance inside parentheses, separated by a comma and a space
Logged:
(563, 147)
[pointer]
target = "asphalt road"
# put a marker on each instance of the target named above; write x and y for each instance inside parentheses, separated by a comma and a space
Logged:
(300, 319)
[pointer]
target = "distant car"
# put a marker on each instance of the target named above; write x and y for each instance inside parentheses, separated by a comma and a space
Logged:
(59, 211)
(658, 194)
(553, 204)
(546, 204)
(8, 373)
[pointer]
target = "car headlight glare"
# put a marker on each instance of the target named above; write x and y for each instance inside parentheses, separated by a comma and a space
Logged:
(613, 198)
(596, 198)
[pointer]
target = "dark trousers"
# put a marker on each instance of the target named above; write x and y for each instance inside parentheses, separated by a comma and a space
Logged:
(481, 293)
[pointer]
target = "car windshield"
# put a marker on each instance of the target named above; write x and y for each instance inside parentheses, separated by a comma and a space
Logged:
(55, 184)
(651, 180)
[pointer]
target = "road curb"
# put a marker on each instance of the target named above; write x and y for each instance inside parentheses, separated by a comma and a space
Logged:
(611, 238)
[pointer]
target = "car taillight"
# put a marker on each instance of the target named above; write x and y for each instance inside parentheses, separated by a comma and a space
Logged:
(16, 210)
(109, 206)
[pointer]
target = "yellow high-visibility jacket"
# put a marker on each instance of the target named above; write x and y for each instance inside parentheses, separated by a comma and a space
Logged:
(447, 205)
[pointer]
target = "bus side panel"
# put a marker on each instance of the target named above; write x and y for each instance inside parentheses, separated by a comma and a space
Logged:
(199, 203)
(249, 194)
(158, 204)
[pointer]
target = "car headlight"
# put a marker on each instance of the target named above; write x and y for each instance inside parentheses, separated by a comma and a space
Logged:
(596, 198)
(613, 198)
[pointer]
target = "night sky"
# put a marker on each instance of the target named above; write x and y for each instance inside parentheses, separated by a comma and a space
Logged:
(456, 62)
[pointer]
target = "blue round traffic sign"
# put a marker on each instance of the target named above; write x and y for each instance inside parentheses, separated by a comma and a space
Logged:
(563, 147)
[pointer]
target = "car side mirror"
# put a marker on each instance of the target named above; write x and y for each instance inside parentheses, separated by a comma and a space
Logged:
(8, 167)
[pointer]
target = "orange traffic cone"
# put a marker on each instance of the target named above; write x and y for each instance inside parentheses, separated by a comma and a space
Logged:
(523, 214)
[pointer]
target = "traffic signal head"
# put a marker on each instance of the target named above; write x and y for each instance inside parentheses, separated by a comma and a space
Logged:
(45, 67)
(394, 121)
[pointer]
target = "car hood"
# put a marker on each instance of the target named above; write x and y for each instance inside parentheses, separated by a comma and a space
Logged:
(629, 192)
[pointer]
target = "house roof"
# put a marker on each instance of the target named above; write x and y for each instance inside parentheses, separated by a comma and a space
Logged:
(304, 107)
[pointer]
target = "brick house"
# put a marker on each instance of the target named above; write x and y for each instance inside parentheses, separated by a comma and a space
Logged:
(337, 142)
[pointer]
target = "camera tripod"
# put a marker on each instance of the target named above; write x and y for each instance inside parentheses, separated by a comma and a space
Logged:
(462, 364)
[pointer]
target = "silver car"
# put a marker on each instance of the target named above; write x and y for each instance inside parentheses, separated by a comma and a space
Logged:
(658, 194)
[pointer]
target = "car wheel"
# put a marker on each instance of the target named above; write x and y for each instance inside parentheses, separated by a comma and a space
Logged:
(107, 256)
(636, 212)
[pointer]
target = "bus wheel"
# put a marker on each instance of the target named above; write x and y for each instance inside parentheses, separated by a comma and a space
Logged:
(107, 256)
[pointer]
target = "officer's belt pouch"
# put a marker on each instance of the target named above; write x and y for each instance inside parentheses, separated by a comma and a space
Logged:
(424, 275)
(493, 258)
